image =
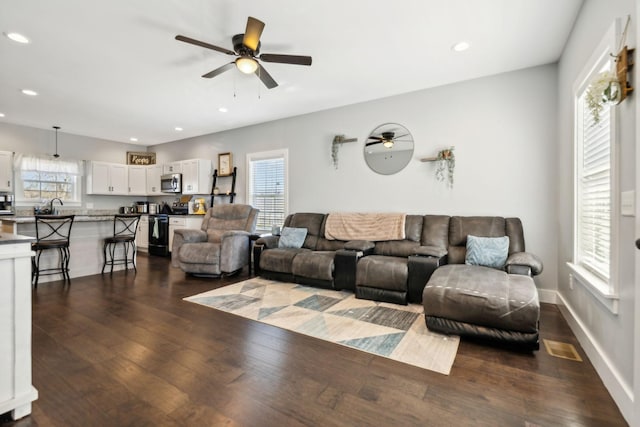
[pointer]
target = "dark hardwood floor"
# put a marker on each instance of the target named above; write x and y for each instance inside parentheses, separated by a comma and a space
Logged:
(125, 350)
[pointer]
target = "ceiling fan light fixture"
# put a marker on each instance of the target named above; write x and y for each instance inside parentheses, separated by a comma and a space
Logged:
(387, 143)
(246, 64)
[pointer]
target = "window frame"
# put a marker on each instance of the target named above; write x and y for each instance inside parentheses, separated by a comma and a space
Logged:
(19, 187)
(605, 290)
(268, 155)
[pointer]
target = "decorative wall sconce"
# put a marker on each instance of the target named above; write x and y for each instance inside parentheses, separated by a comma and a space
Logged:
(335, 146)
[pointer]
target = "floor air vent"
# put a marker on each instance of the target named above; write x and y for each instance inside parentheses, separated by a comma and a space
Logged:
(562, 350)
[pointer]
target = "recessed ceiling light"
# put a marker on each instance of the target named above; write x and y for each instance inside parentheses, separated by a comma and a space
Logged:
(17, 37)
(223, 109)
(1, 114)
(178, 128)
(29, 92)
(461, 46)
(132, 139)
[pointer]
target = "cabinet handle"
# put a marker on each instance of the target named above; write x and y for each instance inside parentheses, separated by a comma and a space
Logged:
(8, 183)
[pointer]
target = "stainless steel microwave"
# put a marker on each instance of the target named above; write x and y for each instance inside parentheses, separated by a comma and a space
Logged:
(171, 183)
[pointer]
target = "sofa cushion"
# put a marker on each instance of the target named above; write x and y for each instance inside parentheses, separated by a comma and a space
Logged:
(312, 222)
(279, 259)
(314, 265)
(383, 272)
(435, 231)
(229, 217)
(487, 251)
(292, 237)
(396, 248)
(483, 296)
(329, 245)
(460, 227)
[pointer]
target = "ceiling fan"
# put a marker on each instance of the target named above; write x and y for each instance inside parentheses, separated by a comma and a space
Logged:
(387, 139)
(246, 46)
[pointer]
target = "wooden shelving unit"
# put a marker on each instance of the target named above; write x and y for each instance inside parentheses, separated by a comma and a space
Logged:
(230, 194)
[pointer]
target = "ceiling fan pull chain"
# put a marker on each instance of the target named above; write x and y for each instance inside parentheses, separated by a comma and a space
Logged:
(258, 82)
(234, 86)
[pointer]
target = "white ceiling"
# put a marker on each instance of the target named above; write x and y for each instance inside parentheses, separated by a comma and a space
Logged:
(112, 69)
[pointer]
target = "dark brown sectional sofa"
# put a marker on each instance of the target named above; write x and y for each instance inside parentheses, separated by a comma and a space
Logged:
(427, 266)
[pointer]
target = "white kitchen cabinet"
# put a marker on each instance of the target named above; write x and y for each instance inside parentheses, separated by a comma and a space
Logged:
(178, 222)
(196, 176)
(173, 167)
(107, 178)
(6, 170)
(137, 180)
(16, 389)
(142, 235)
(154, 172)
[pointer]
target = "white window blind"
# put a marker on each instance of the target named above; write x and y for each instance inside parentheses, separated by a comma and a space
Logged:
(594, 191)
(267, 190)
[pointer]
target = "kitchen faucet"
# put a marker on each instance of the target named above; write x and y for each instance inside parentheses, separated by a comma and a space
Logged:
(51, 205)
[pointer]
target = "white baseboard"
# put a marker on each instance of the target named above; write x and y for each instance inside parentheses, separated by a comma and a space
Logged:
(621, 393)
(548, 296)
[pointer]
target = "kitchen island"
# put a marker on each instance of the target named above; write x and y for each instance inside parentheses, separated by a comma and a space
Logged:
(16, 390)
(86, 242)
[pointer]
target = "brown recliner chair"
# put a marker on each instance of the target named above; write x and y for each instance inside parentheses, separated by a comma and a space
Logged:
(221, 246)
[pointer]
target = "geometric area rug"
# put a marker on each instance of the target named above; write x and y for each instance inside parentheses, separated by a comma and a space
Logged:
(394, 331)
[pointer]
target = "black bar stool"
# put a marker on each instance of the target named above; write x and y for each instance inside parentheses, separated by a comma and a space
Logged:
(124, 231)
(52, 232)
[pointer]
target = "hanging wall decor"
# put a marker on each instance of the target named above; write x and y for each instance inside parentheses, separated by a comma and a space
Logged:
(445, 165)
(335, 146)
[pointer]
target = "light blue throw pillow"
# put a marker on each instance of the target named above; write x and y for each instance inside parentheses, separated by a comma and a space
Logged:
(291, 237)
(487, 251)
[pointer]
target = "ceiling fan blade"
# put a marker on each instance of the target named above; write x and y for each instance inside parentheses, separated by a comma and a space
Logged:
(219, 70)
(400, 136)
(377, 138)
(265, 77)
(286, 59)
(372, 143)
(204, 44)
(252, 33)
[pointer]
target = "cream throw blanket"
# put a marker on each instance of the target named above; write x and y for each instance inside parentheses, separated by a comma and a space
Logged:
(365, 226)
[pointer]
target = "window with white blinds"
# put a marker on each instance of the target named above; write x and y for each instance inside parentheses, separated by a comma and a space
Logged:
(268, 187)
(593, 207)
(596, 179)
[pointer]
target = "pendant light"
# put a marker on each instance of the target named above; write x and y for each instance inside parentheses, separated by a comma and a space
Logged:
(56, 155)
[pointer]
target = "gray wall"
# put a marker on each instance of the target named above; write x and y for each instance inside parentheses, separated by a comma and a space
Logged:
(28, 140)
(503, 128)
(608, 338)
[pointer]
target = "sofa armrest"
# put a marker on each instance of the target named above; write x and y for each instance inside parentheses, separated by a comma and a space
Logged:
(184, 235)
(234, 250)
(420, 270)
(191, 235)
(234, 233)
(359, 245)
(269, 242)
(432, 251)
(523, 263)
